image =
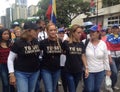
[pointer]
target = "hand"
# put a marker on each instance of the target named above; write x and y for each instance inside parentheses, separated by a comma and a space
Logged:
(110, 61)
(12, 79)
(86, 73)
(108, 73)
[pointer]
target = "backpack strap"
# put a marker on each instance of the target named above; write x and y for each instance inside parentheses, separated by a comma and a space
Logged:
(86, 42)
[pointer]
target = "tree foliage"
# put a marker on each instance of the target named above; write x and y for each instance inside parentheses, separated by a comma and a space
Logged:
(67, 10)
(43, 6)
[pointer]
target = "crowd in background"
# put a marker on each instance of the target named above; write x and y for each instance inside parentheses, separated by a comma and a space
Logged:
(44, 51)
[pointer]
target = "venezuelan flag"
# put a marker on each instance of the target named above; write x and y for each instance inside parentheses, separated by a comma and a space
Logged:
(113, 43)
(51, 11)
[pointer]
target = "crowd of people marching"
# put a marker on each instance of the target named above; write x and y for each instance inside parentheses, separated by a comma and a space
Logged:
(40, 51)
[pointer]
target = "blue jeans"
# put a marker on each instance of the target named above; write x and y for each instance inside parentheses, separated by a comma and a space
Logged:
(73, 80)
(93, 82)
(4, 77)
(26, 82)
(37, 88)
(50, 79)
(114, 69)
(64, 80)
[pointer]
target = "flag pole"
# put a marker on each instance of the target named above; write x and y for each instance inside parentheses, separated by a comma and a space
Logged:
(97, 14)
(52, 12)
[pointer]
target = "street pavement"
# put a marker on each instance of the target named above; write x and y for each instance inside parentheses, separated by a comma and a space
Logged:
(80, 86)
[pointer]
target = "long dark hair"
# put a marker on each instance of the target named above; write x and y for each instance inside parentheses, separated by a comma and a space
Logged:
(1, 39)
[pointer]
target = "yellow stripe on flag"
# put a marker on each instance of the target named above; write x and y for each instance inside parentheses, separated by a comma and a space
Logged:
(54, 6)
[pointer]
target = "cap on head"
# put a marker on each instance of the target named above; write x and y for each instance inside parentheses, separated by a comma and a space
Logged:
(16, 23)
(61, 30)
(104, 29)
(115, 26)
(89, 23)
(94, 28)
(30, 25)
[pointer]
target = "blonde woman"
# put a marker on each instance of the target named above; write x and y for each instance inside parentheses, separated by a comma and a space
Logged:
(17, 32)
(75, 58)
(51, 59)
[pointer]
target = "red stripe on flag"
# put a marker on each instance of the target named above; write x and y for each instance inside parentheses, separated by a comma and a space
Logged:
(49, 12)
(113, 47)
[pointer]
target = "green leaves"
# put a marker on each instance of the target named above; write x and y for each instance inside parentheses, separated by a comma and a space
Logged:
(67, 10)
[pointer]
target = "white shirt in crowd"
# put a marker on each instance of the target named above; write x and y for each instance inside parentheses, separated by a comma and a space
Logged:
(42, 35)
(115, 54)
(63, 57)
(97, 57)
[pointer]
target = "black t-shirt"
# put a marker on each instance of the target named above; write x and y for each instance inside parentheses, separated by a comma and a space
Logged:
(51, 54)
(74, 52)
(27, 55)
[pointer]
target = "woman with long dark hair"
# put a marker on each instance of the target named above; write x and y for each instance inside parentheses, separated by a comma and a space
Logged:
(4, 52)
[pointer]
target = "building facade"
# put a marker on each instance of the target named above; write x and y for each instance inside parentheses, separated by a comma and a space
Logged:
(8, 17)
(106, 16)
(32, 10)
(19, 9)
(21, 2)
(3, 21)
